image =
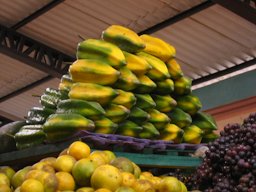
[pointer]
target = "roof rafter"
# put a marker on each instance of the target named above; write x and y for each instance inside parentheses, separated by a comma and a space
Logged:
(177, 17)
(33, 53)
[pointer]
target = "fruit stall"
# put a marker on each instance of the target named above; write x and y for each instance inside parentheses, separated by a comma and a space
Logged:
(125, 118)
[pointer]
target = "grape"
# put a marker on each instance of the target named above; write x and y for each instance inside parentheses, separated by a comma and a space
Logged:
(230, 163)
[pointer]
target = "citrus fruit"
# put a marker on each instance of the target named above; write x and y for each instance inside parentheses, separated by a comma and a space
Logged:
(103, 190)
(49, 160)
(8, 171)
(65, 181)
(82, 171)
(79, 150)
(125, 189)
(123, 163)
(31, 185)
(101, 153)
(85, 189)
(170, 184)
(111, 155)
(142, 185)
(5, 188)
(44, 166)
(183, 187)
(128, 179)
(64, 163)
(136, 170)
(19, 177)
(155, 181)
(98, 158)
(106, 176)
(146, 174)
(4, 179)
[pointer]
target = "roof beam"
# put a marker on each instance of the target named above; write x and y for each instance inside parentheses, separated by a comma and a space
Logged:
(225, 72)
(33, 53)
(177, 17)
(36, 14)
(241, 8)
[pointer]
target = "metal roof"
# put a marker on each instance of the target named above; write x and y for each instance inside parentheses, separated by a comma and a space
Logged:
(209, 38)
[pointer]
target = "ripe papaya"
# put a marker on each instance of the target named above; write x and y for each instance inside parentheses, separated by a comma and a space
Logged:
(182, 86)
(93, 71)
(101, 50)
(171, 132)
(92, 92)
(174, 69)
(125, 38)
(190, 103)
(146, 85)
(158, 119)
(105, 126)
(116, 113)
(125, 98)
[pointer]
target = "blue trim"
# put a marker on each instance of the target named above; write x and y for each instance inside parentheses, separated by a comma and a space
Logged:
(227, 91)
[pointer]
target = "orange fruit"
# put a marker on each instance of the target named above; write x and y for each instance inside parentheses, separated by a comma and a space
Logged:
(146, 174)
(65, 181)
(136, 171)
(171, 184)
(103, 190)
(64, 163)
(5, 188)
(98, 158)
(44, 166)
(128, 179)
(4, 180)
(106, 176)
(82, 171)
(79, 150)
(19, 176)
(85, 189)
(125, 189)
(31, 185)
(49, 160)
(110, 154)
(142, 185)
(8, 171)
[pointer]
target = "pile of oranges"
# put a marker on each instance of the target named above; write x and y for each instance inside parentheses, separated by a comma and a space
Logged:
(78, 169)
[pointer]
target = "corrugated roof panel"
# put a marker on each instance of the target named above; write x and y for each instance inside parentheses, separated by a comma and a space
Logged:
(19, 105)
(229, 24)
(60, 27)
(207, 48)
(15, 75)
(183, 4)
(11, 12)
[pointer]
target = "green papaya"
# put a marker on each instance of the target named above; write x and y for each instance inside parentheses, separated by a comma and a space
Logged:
(158, 119)
(145, 101)
(105, 126)
(164, 103)
(38, 115)
(61, 126)
(129, 128)
(189, 103)
(146, 85)
(7, 132)
(205, 121)
(127, 80)
(149, 131)
(137, 115)
(182, 86)
(192, 134)
(171, 132)
(125, 98)
(179, 117)
(164, 87)
(92, 92)
(89, 109)
(116, 113)
(209, 137)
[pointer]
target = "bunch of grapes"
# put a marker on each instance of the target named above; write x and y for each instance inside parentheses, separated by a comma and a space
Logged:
(230, 162)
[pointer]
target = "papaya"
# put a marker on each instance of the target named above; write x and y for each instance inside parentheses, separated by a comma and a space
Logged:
(138, 115)
(158, 119)
(182, 86)
(125, 38)
(164, 103)
(171, 132)
(101, 50)
(164, 87)
(92, 92)
(105, 126)
(93, 71)
(146, 85)
(190, 103)
(179, 117)
(125, 98)
(116, 113)
(174, 69)
(129, 128)
(149, 131)
(145, 101)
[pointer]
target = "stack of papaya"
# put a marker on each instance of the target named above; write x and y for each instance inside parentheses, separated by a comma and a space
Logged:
(121, 84)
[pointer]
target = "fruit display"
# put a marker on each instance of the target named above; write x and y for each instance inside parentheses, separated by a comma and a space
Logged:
(78, 168)
(122, 84)
(230, 163)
